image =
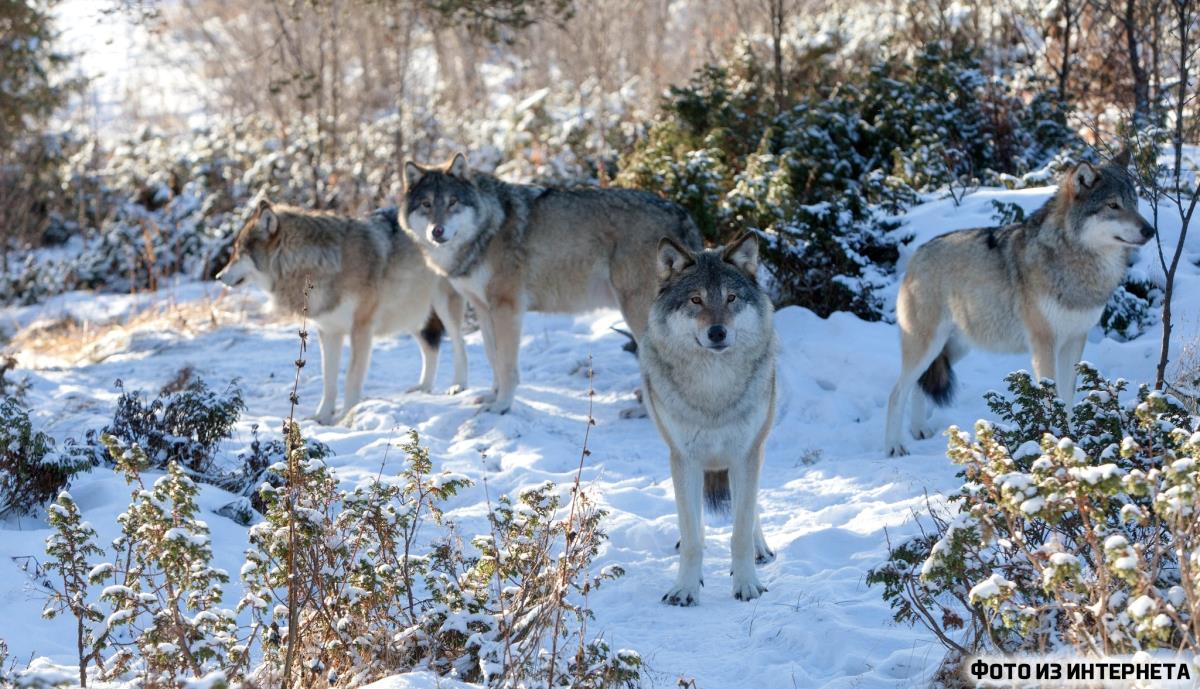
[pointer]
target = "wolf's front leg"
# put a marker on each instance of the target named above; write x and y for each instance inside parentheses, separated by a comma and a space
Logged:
(743, 485)
(688, 479)
(762, 551)
(331, 360)
(506, 331)
(483, 313)
(360, 360)
(1069, 355)
(450, 306)
(429, 341)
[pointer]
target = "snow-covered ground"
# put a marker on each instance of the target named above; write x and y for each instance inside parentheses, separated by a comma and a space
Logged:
(829, 498)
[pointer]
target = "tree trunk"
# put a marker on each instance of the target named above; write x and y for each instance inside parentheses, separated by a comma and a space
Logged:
(1183, 19)
(1141, 82)
(1064, 69)
(777, 19)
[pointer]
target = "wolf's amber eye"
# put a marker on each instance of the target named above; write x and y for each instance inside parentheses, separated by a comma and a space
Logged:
(426, 204)
(696, 300)
(730, 298)
(451, 202)
(1114, 205)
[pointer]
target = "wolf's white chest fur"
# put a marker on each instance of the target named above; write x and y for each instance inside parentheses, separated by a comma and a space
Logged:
(713, 436)
(474, 284)
(340, 318)
(1066, 321)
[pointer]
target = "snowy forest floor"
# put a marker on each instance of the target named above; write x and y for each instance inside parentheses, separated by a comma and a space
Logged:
(830, 499)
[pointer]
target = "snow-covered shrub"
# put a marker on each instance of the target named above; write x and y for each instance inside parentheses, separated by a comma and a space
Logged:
(1132, 309)
(253, 468)
(354, 568)
(10, 387)
(1007, 213)
(70, 549)
(185, 426)
(163, 596)
(1087, 544)
(32, 469)
(372, 594)
(497, 611)
(819, 179)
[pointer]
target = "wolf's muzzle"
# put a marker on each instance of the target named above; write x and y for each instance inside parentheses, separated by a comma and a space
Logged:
(718, 338)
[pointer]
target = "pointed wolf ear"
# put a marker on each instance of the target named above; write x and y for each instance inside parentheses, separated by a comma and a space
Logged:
(1121, 159)
(268, 222)
(458, 166)
(1084, 175)
(743, 254)
(672, 258)
(412, 174)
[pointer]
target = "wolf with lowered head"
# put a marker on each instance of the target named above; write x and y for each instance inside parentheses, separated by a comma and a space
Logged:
(367, 278)
(511, 248)
(1038, 285)
(708, 380)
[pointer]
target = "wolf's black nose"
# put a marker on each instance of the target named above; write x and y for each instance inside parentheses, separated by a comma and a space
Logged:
(438, 231)
(1147, 230)
(716, 333)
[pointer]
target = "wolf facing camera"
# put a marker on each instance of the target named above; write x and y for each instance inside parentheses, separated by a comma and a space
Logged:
(511, 248)
(708, 379)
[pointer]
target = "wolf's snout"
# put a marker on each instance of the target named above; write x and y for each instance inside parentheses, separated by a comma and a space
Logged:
(717, 335)
(1147, 231)
(439, 232)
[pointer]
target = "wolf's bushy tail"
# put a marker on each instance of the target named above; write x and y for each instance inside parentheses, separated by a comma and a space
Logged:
(433, 330)
(938, 380)
(716, 491)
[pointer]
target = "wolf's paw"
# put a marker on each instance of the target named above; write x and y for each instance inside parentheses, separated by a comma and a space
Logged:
(685, 596)
(498, 407)
(455, 389)
(324, 418)
(638, 412)
(763, 555)
(897, 450)
(747, 587)
(419, 388)
(922, 432)
(485, 398)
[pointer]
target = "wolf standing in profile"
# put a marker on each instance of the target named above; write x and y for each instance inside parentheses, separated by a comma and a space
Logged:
(708, 377)
(367, 278)
(509, 248)
(1038, 285)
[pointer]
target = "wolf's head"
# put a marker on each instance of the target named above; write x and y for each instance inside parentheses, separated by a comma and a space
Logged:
(441, 203)
(251, 249)
(711, 299)
(1101, 206)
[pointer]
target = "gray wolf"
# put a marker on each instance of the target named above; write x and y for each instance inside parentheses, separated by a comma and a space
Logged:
(509, 248)
(708, 378)
(367, 277)
(1038, 286)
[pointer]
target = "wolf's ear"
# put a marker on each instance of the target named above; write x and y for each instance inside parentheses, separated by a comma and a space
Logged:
(672, 258)
(743, 254)
(1083, 176)
(1121, 159)
(458, 166)
(268, 222)
(412, 174)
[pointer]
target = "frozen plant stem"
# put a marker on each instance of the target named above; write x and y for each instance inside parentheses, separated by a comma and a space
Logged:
(289, 435)
(571, 532)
